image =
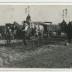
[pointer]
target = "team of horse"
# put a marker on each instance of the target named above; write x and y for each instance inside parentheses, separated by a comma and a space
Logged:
(67, 29)
(27, 31)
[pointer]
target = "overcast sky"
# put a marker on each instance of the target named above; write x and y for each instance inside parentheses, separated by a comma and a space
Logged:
(53, 13)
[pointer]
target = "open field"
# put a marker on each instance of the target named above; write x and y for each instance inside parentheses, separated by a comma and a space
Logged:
(51, 55)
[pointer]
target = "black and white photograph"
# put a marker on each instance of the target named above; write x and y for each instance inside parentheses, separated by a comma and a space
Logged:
(35, 36)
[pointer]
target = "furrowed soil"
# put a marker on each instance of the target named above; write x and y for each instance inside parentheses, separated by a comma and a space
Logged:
(52, 55)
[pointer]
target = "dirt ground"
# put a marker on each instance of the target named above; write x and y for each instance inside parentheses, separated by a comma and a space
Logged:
(54, 55)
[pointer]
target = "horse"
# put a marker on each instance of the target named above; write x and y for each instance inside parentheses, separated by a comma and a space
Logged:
(9, 32)
(20, 33)
(67, 29)
(38, 29)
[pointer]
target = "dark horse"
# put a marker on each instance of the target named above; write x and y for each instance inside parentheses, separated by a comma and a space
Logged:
(9, 32)
(21, 35)
(67, 29)
(23, 32)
